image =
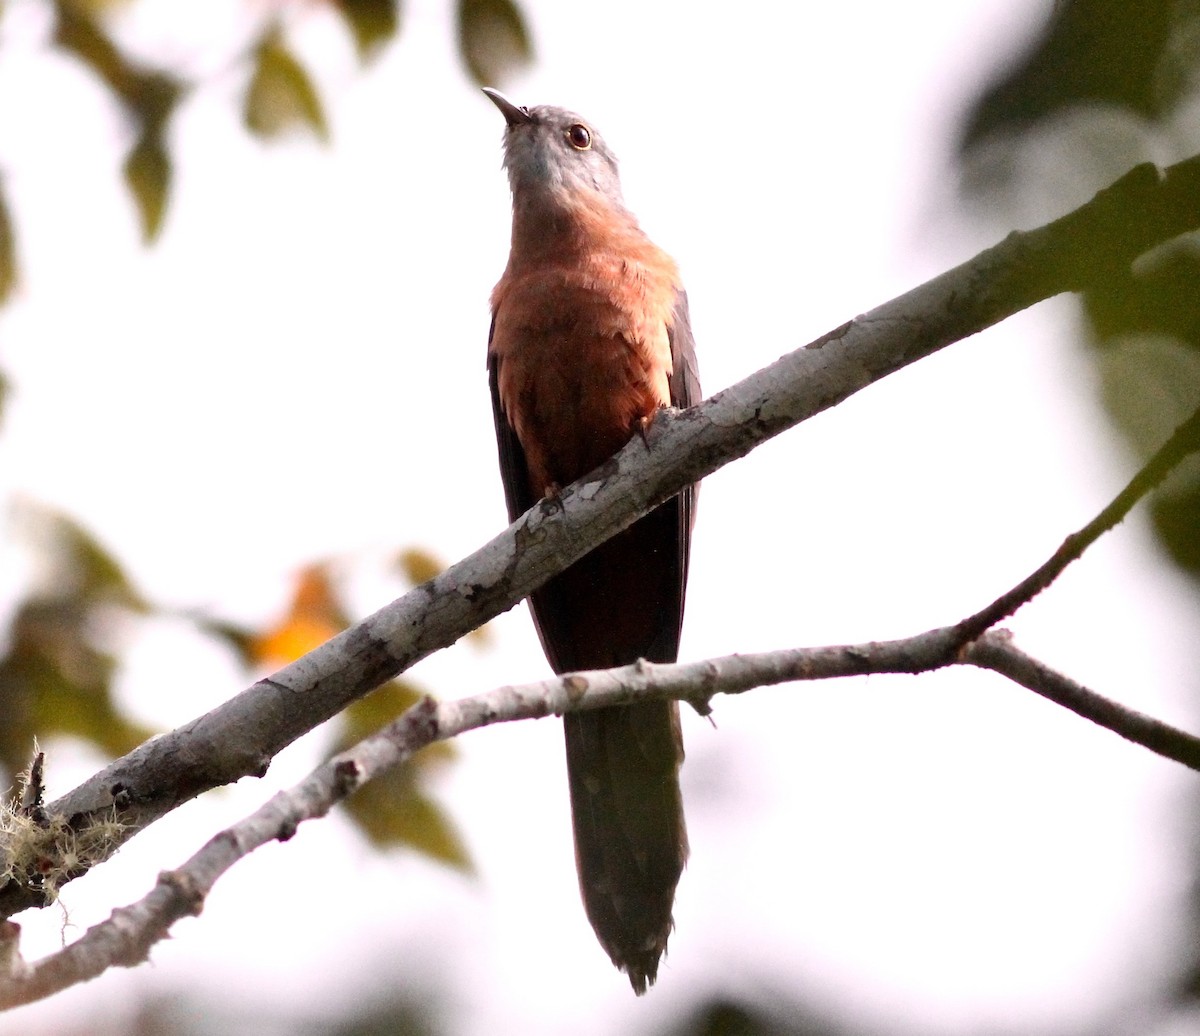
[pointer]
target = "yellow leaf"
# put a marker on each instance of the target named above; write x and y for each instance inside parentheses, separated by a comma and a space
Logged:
(418, 565)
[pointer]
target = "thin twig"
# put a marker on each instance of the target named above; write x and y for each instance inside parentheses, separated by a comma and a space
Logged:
(996, 651)
(125, 939)
(1183, 442)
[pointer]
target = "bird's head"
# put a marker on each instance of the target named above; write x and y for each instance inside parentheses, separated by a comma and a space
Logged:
(554, 152)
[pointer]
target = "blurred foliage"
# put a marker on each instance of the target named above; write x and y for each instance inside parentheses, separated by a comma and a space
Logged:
(418, 566)
(373, 23)
(147, 96)
(281, 96)
(280, 93)
(147, 171)
(1106, 85)
(315, 615)
(184, 1013)
(1090, 52)
(8, 258)
(395, 809)
(56, 674)
(395, 1017)
(61, 653)
(492, 40)
(59, 669)
(1109, 84)
(385, 1009)
(768, 1015)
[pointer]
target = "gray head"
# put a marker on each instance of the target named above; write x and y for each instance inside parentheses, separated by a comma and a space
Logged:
(549, 149)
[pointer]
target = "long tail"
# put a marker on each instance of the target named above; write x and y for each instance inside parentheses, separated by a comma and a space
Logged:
(622, 602)
(630, 837)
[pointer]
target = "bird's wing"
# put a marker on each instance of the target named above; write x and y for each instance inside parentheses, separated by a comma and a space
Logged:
(684, 383)
(685, 375)
(514, 471)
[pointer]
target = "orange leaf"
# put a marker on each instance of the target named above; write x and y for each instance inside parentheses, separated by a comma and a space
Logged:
(314, 617)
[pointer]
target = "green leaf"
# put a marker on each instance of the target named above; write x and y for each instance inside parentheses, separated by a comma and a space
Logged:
(241, 640)
(281, 95)
(392, 811)
(147, 172)
(492, 40)
(373, 23)
(57, 670)
(377, 709)
(75, 564)
(57, 682)
(153, 99)
(8, 260)
(77, 32)
(396, 809)
(149, 96)
(97, 8)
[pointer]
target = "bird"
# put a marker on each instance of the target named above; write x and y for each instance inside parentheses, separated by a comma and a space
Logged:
(590, 337)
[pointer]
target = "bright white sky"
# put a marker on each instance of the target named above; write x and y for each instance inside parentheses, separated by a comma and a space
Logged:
(296, 371)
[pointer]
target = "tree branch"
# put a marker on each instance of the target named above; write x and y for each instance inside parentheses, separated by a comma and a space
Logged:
(240, 738)
(995, 651)
(1184, 441)
(125, 939)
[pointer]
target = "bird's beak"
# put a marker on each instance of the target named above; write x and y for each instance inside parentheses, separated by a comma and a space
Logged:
(513, 115)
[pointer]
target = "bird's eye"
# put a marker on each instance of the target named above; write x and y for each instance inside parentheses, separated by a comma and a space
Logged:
(579, 137)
